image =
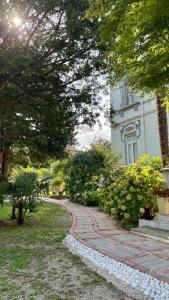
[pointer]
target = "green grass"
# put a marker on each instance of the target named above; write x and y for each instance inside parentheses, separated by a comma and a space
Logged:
(35, 265)
(45, 224)
(23, 246)
(5, 211)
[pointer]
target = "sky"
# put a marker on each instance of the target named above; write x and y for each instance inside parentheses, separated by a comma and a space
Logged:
(85, 136)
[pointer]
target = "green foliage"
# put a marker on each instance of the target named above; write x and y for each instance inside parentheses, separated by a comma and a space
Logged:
(45, 177)
(59, 167)
(110, 160)
(23, 192)
(83, 175)
(88, 171)
(96, 178)
(43, 173)
(105, 144)
(45, 67)
(26, 157)
(23, 185)
(19, 157)
(135, 37)
(3, 189)
(51, 180)
(154, 161)
(59, 172)
(131, 189)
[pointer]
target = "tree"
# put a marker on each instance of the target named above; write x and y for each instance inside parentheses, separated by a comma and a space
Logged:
(103, 143)
(136, 36)
(48, 74)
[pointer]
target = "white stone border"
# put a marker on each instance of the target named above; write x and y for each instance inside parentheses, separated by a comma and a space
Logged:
(133, 282)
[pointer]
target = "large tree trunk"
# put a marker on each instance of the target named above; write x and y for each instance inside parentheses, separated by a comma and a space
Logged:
(163, 130)
(3, 162)
(3, 146)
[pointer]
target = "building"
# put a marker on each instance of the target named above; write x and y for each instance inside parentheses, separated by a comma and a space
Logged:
(137, 128)
(72, 149)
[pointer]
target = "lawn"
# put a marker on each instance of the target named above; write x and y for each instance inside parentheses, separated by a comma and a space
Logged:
(35, 265)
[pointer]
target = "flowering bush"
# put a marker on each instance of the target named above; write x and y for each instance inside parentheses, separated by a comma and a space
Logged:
(154, 161)
(95, 178)
(132, 188)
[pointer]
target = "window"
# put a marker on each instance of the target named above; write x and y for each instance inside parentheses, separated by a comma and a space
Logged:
(130, 96)
(123, 96)
(131, 148)
(127, 96)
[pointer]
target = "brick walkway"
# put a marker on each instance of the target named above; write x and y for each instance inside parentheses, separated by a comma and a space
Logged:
(96, 230)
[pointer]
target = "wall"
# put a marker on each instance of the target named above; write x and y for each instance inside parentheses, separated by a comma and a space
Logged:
(140, 117)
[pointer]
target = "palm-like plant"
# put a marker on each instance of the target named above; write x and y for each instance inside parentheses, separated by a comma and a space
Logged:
(24, 191)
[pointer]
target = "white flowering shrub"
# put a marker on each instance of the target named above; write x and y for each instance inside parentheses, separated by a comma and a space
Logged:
(131, 189)
(96, 178)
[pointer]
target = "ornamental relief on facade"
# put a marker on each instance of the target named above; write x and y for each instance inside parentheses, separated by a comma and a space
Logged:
(133, 127)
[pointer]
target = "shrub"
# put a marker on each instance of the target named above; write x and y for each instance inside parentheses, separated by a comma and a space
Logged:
(83, 175)
(89, 171)
(154, 161)
(96, 178)
(132, 187)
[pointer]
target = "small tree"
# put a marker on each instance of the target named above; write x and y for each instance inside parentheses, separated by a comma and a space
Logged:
(23, 190)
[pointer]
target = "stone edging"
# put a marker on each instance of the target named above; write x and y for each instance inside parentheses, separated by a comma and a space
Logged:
(133, 282)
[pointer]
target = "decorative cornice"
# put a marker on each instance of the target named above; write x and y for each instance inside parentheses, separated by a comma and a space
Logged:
(132, 127)
(128, 107)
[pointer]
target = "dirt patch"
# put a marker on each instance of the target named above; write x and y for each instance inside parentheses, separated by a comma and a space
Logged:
(62, 275)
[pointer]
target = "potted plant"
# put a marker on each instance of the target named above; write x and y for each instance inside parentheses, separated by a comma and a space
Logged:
(165, 172)
(148, 212)
(163, 194)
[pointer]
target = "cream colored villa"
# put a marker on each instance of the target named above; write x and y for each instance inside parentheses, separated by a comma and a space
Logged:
(137, 130)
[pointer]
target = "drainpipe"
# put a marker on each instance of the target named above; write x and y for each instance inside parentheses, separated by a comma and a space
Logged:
(143, 127)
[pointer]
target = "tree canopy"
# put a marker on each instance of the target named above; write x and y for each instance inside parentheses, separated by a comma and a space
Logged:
(48, 73)
(136, 36)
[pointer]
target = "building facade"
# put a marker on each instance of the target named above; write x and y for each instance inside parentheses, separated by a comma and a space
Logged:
(136, 132)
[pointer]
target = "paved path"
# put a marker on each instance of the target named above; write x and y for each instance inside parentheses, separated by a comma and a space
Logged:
(96, 230)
